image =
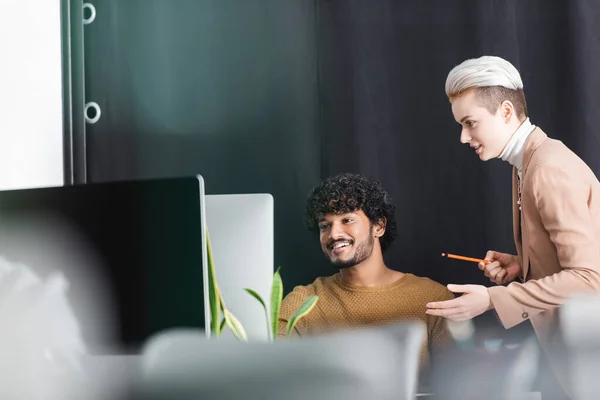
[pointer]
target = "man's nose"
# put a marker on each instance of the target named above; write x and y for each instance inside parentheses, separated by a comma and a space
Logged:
(336, 231)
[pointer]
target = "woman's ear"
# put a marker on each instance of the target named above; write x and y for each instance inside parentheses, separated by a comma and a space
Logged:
(379, 227)
(507, 109)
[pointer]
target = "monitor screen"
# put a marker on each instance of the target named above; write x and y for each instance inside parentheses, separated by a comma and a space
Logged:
(132, 252)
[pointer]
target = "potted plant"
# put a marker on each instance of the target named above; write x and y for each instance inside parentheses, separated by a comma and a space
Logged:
(220, 316)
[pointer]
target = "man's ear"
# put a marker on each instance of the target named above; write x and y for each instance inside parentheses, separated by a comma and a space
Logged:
(379, 227)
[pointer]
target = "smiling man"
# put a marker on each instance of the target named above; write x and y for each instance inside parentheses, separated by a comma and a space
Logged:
(556, 209)
(354, 219)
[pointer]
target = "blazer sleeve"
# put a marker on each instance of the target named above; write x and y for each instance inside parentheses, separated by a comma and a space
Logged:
(561, 198)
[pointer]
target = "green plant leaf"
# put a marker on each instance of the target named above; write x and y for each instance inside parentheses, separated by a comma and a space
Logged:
(222, 305)
(213, 290)
(304, 309)
(236, 326)
(276, 298)
(223, 322)
(262, 302)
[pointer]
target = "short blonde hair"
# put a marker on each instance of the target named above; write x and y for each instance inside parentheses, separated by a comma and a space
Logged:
(493, 78)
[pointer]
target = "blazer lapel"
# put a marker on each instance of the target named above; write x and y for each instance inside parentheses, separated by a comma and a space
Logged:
(534, 140)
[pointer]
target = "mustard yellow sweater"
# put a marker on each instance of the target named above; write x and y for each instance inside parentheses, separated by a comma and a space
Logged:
(342, 306)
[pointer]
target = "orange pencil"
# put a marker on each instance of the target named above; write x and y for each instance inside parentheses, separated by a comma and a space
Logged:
(477, 260)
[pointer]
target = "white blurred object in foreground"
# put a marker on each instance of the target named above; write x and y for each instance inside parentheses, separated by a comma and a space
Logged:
(40, 338)
(580, 327)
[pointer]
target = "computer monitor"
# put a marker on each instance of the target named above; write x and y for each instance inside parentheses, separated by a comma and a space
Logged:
(241, 231)
(132, 251)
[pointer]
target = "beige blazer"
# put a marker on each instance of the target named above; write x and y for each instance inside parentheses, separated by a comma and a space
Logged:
(557, 235)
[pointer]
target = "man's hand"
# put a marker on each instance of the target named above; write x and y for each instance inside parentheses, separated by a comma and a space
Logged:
(474, 301)
(502, 267)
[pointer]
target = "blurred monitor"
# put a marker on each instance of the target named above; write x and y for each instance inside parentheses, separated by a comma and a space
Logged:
(132, 251)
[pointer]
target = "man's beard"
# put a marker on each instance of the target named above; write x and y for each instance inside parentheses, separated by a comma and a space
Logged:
(362, 251)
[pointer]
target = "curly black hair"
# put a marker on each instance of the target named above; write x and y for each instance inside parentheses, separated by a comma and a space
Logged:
(346, 193)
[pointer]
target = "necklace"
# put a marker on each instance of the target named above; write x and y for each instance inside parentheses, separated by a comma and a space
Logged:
(519, 192)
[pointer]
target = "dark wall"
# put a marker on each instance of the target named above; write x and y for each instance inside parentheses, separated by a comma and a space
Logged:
(222, 88)
(269, 96)
(383, 67)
